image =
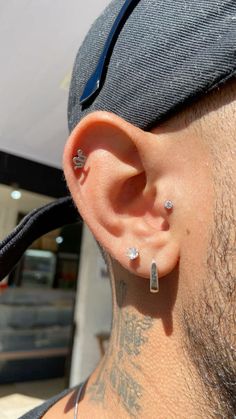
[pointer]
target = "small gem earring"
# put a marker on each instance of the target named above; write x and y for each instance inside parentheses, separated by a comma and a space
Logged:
(132, 253)
(79, 160)
(168, 205)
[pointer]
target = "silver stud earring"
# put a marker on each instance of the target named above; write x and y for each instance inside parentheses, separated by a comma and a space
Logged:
(132, 253)
(79, 160)
(154, 280)
(168, 205)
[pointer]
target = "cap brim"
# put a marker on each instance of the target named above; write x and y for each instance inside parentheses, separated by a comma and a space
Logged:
(37, 223)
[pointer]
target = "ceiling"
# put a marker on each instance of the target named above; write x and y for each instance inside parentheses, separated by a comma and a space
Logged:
(38, 44)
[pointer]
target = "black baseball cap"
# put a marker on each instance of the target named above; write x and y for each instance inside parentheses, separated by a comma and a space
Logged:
(143, 60)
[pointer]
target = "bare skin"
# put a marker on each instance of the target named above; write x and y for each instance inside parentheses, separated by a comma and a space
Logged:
(162, 361)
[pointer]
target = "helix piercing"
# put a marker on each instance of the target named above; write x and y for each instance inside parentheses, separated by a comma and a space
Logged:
(154, 279)
(79, 160)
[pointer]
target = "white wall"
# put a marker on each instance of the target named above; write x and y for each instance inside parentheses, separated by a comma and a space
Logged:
(38, 42)
(93, 311)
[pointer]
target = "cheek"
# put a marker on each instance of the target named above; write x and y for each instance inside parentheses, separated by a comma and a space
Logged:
(198, 225)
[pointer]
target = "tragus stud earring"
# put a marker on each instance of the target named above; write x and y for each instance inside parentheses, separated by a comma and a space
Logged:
(79, 160)
(168, 205)
(132, 253)
(154, 280)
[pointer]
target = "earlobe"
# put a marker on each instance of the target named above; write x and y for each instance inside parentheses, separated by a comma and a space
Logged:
(119, 192)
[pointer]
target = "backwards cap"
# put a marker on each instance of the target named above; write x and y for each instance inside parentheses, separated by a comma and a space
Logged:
(142, 60)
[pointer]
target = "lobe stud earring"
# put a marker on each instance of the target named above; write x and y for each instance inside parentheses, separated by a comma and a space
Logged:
(168, 205)
(154, 280)
(79, 160)
(132, 253)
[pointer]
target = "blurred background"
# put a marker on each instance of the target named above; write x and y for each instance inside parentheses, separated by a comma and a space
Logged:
(55, 307)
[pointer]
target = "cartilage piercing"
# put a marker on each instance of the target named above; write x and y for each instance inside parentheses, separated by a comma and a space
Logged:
(79, 160)
(168, 205)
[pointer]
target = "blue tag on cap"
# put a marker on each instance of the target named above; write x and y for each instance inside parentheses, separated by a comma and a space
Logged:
(94, 84)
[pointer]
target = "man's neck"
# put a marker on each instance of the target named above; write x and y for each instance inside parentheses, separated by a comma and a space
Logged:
(144, 372)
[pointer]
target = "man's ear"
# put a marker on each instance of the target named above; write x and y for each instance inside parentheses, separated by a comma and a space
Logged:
(121, 190)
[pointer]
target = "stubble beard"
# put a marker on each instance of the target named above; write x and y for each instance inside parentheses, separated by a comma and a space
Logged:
(209, 322)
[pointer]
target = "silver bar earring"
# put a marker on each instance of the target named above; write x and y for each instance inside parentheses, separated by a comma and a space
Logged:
(154, 280)
(79, 160)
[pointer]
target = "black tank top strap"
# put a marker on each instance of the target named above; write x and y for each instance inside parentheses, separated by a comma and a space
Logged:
(39, 411)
